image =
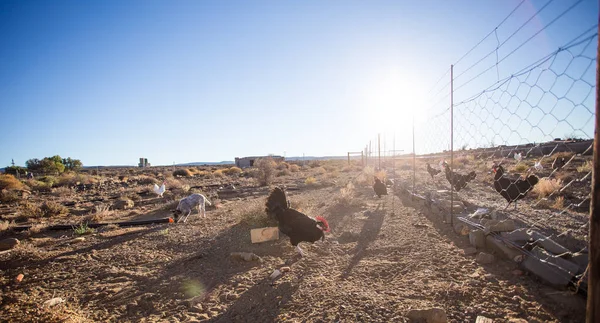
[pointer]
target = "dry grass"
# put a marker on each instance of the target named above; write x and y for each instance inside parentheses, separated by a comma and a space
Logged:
(283, 165)
(9, 182)
(366, 177)
(53, 209)
(294, 168)
(284, 172)
(547, 186)
(62, 191)
(559, 203)
(29, 210)
(586, 167)
(219, 173)
(382, 175)
(233, 171)
(320, 170)
(9, 196)
(347, 194)
(465, 160)
(172, 183)
(310, 181)
(520, 168)
(144, 180)
(5, 225)
(101, 212)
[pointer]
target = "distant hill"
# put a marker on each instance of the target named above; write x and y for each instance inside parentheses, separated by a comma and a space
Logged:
(225, 162)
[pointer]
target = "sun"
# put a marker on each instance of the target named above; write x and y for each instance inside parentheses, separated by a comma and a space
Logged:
(392, 102)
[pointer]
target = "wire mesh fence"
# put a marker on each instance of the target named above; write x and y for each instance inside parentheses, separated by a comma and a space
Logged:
(516, 139)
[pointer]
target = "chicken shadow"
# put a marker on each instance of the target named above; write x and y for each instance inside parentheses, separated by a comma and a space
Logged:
(368, 234)
(261, 303)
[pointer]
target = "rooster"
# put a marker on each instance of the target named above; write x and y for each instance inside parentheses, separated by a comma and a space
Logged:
(296, 225)
(432, 171)
(512, 190)
(456, 180)
(160, 190)
(379, 187)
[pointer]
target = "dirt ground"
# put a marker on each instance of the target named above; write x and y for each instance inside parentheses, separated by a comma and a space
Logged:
(380, 260)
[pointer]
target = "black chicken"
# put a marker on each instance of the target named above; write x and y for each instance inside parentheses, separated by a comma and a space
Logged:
(432, 171)
(379, 187)
(456, 180)
(512, 190)
(558, 163)
(294, 224)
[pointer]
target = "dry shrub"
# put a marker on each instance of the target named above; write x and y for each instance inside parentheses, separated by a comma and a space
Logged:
(320, 170)
(333, 174)
(314, 163)
(283, 165)
(366, 177)
(265, 170)
(547, 186)
(382, 175)
(294, 168)
(284, 172)
(310, 181)
(233, 171)
(144, 180)
(39, 186)
(219, 173)
(62, 191)
(101, 211)
(50, 180)
(172, 183)
(123, 178)
(51, 209)
(520, 168)
(9, 196)
(9, 182)
(5, 225)
(29, 210)
(182, 173)
(331, 168)
(347, 194)
(465, 160)
(193, 171)
(586, 167)
(72, 179)
(559, 203)
(203, 173)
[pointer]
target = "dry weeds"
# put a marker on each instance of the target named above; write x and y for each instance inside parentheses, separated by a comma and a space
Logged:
(547, 186)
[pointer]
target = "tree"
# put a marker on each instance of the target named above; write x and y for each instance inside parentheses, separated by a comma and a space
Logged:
(72, 164)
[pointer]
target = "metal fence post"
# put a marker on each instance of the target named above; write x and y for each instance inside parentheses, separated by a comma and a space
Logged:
(452, 142)
(593, 299)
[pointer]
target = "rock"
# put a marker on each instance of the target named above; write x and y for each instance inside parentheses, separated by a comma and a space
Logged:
(517, 272)
(526, 235)
(276, 273)
(483, 319)
(285, 269)
(78, 239)
(462, 229)
(430, 315)
(485, 258)
(19, 278)
(547, 271)
(470, 251)
(570, 267)
(247, 256)
(123, 204)
(519, 259)
(500, 226)
(500, 248)
(54, 301)
(477, 239)
(479, 214)
(9, 243)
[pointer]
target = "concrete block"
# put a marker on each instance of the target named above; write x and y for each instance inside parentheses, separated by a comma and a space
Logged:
(547, 271)
(570, 267)
(500, 226)
(581, 259)
(477, 239)
(264, 234)
(500, 248)
(527, 235)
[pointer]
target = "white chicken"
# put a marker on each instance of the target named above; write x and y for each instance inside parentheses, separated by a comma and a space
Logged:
(538, 166)
(518, 157)
(160, 190)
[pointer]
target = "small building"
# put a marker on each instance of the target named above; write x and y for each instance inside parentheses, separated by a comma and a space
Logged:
(249, 161)
(144, 162)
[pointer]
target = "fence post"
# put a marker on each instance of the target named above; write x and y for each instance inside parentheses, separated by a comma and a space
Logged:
(593, 299)
(379, 148)
(414, 154)
(362, 156)
(348, 158)
(452, 143)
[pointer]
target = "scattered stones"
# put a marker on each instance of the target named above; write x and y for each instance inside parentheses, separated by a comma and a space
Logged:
(78, 240)
(485, 258)
(430, 315)
(54, 301)
(9, 243)
(247, 256)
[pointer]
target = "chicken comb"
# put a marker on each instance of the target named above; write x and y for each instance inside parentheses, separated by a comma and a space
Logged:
(322, 219)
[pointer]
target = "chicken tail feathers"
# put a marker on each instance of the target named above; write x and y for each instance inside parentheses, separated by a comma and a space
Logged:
(276, 202)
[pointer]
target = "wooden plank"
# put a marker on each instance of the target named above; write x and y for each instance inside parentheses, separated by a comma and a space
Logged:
(264, 234)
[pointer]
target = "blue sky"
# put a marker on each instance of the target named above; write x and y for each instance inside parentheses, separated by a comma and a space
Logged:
(111, 81)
